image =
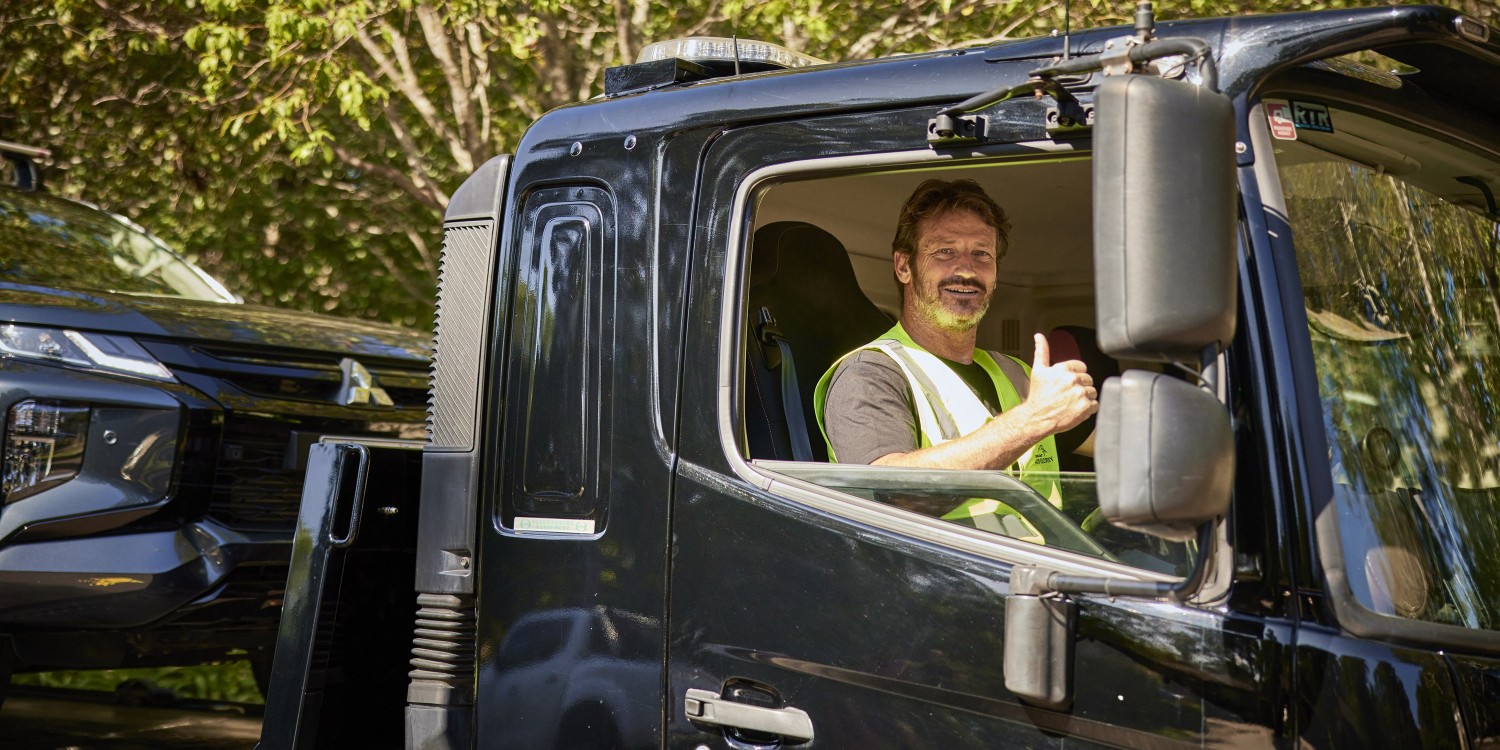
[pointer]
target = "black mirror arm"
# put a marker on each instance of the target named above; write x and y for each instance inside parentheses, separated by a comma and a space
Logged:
(1134, 53)
(1042, 80)
(1033, 86)
(1053, 582)
(945, 126)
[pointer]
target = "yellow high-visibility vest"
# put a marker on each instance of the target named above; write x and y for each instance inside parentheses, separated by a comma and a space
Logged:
(947, 409)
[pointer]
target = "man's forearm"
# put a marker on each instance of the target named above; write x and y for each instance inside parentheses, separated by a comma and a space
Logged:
(998, 444)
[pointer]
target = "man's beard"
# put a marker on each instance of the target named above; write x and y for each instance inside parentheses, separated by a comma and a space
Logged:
(930, 303)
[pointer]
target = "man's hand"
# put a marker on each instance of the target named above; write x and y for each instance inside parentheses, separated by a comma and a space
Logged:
(1062, 395)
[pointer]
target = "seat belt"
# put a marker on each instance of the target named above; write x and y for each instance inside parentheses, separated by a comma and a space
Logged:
(778, 353)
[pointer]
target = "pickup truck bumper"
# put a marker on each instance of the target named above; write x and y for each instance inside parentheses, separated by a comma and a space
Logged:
(125, 580)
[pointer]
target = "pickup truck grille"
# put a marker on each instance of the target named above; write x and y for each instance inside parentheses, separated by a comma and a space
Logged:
(277, 403)
(255, 486)
(258, 482)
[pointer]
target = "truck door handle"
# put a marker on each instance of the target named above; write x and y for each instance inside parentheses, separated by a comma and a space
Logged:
(706, 707)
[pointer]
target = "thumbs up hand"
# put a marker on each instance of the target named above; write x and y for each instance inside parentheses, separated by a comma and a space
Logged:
(1061, 395)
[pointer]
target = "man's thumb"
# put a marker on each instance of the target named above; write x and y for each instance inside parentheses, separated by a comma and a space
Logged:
(1043, 354)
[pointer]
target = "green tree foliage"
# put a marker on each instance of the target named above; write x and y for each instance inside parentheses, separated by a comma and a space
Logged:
(231, 682)
(303, 150)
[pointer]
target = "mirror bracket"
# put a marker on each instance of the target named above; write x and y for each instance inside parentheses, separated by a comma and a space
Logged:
(1115, 59)
(1041, 620)
(960, 125)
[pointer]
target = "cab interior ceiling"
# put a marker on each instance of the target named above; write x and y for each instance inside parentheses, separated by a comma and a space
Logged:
(1452, 72)
(1419, 159)
(1046, 277)
(1439, 97)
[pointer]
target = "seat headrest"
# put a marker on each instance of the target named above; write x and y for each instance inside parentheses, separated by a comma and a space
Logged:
(797, 255)
(1082, 344)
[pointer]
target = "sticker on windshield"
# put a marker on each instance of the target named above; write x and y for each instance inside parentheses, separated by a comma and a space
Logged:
(1312, 117)
(1279, 115)
(555, 525)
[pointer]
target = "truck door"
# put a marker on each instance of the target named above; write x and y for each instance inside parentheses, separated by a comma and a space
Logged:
(831, 600)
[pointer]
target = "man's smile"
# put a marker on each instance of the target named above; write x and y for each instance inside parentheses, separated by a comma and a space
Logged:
(962, 289)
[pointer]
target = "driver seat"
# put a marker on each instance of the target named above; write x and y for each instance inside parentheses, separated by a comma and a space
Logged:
(805, 311)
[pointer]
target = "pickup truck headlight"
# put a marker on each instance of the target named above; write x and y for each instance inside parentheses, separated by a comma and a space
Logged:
(44, 442)
(94, 351)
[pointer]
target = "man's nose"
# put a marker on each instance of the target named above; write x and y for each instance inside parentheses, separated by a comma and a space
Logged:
(966, 267)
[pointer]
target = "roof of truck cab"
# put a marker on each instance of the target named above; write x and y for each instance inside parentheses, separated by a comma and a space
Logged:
(1246, 47)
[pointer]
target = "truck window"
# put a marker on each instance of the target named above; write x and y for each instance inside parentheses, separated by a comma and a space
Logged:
(1396, 242)
(820, 283)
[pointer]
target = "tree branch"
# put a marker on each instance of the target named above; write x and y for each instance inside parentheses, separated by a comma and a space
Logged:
(421, 175)
(137, 24)
(427, 194)
(405, 81)
(436, 35)
(480, 61)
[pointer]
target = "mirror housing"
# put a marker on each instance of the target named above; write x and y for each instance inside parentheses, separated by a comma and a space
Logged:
(1039, 640)
(1166, 455)
(1164, 218)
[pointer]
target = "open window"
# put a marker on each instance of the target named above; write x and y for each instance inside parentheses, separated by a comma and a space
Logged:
(819, 283)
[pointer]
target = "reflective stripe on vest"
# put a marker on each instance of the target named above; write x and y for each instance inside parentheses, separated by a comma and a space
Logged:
(947, 409)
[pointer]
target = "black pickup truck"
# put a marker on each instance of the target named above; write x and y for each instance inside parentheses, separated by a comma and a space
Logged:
(155, 430)
(1282, 230)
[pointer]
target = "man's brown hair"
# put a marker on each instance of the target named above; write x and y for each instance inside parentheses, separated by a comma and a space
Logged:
(937, 197)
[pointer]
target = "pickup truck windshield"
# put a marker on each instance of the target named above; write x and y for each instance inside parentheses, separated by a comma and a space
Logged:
(49, 242)
(1397, 246)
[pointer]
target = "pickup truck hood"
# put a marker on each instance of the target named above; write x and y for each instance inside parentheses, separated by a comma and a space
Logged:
(223, 323)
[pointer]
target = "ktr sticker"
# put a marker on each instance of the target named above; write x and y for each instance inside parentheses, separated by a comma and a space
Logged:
(1312, 117)
(1283, 127)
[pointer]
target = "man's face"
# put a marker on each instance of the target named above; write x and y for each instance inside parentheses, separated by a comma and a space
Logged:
(950, 278)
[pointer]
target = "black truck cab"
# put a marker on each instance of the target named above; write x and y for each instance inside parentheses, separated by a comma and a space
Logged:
(1277, 234)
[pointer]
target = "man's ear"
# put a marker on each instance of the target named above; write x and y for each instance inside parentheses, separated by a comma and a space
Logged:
(903, 266)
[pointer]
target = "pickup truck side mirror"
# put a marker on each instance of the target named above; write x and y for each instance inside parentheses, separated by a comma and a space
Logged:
(1164, 218)
(1167, 455)
(1164, 269)
(1164, 257)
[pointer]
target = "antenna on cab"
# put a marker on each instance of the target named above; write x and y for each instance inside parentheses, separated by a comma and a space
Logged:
(1145, 22)
(1067, 26)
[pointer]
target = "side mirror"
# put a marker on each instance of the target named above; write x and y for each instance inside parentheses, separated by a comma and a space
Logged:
(1165, 455)
(1164, 218)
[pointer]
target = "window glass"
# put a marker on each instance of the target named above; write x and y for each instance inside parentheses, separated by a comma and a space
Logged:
(1000, 504)
(821, 284)
(48, 242)
(1396, 242)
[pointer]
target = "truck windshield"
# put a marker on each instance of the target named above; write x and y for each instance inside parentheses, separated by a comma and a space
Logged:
(1397, 241)
(49, 242)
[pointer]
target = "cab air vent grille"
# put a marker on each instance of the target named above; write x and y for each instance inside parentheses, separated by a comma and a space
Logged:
(463, 284)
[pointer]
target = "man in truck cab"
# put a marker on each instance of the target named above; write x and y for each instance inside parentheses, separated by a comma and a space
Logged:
(922, 395)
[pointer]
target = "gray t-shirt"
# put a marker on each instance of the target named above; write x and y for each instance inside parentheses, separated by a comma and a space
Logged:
(869, 411)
